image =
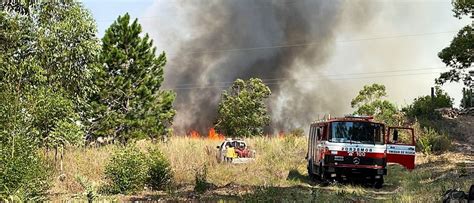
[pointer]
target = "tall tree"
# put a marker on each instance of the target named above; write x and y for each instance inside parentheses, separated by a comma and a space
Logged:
(48, 55)
(129, 103)
(242, 111)
(459, 55)
(370, 101)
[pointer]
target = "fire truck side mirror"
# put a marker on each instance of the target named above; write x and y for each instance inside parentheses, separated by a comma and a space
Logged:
(395, 135)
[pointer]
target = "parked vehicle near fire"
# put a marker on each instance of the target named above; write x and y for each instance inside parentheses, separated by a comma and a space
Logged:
(234, 151)
(357, 147)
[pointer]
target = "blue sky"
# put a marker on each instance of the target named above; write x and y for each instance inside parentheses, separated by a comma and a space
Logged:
(106, 11)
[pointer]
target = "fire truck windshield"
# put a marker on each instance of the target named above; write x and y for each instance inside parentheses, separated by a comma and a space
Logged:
(356, 132)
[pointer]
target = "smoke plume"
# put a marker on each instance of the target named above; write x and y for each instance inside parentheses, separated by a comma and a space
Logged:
(285, 43)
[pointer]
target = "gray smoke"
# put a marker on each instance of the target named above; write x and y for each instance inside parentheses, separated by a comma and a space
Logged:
(284, 42)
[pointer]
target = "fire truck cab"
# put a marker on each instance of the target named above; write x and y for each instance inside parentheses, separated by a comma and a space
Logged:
(356, 147)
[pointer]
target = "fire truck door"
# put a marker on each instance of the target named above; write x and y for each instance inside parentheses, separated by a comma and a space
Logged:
(400, 149)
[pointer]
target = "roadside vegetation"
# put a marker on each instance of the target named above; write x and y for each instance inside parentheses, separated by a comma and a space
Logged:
(278, 173)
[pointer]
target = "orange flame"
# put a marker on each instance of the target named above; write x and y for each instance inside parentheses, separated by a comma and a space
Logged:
(212, 135)
(281, 134)
(194, 134)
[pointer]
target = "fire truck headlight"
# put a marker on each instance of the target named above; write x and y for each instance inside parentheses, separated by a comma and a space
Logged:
(331, 169)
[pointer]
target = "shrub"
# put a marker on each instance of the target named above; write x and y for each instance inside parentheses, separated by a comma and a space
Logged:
(424, 107)
(159, 170)
(23, 172)
(200, 180)
(431, 141)
(126, 171)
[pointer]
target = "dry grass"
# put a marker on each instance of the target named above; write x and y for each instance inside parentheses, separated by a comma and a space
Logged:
(278, 173)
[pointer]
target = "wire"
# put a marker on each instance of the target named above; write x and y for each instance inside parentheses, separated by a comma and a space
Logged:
(324, 75)
(307, 44)
(300, 80)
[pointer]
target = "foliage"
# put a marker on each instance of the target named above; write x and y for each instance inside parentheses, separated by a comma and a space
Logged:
(159, 172)
(58, 40)
(458, 55)
(126, 171)
(23, 172)
(129, 102)
(429, 140)
(200, 180)
(463, 7)
(47, 58)
(54, 117)
(369, 102)
(90, 190)
(242, 110)
(424, 107)
(467, 100)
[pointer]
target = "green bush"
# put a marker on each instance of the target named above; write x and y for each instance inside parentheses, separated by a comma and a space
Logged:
(126, 171)
(424, 107)
(430, 141)
(24, 174)
(159, 170)
(200, 180)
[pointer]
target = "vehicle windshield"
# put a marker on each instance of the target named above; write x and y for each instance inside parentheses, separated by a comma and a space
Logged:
(356, 132)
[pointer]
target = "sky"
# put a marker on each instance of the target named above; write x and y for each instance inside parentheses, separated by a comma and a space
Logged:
(402, 38)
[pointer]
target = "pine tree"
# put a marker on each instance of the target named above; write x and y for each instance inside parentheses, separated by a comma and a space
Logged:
(129, 103)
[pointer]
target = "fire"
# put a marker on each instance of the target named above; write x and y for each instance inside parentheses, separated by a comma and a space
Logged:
(212, 135)
(194, 134)
(281, 134)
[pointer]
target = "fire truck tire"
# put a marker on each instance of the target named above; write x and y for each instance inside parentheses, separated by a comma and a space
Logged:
(378, 183)
(470, 196)
(311, 174)
(322, 173)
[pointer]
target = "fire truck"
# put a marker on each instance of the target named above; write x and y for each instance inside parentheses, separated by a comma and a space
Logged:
(356, 147)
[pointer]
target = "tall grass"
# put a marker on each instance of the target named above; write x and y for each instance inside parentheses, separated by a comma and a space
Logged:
(278, 173)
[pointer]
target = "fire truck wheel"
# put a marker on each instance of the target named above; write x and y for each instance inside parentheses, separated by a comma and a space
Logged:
(471, 193)
(378, 183)
(322, 173)
(311, 175)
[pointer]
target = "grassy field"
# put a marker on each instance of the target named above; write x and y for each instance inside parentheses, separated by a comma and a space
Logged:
(278, 173)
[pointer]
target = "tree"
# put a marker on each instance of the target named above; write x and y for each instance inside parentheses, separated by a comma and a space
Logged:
(48, 51)
(242, 110)
(369, 102)
(48, 56)
(459, 54)
(467, 100)
(129, 102)
(424, 107)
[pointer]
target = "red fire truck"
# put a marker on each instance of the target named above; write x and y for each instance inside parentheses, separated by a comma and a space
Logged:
(357, 147)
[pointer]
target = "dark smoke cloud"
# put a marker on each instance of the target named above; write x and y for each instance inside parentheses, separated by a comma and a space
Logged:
(221, 48)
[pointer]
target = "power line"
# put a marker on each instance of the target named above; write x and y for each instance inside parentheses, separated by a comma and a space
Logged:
(325, 75)
(309, 43)
(277, 82)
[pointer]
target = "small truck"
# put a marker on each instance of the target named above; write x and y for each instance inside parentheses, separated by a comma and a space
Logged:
(356, 147)
(234, 151)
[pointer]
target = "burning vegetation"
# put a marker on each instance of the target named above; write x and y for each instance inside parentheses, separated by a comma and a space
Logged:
(211, 135)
